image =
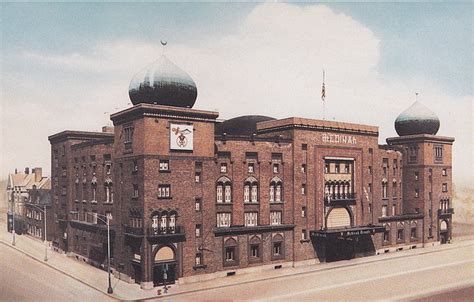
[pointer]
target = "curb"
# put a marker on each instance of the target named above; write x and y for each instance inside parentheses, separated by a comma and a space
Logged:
(58, 270)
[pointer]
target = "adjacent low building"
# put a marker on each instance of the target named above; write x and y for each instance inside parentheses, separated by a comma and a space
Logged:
(193, 198)
(28, 196)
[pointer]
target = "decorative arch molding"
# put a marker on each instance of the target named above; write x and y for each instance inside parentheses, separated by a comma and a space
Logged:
(443, 226)
(224, 180)
(339, 217)
(251, 180)
(164, 253)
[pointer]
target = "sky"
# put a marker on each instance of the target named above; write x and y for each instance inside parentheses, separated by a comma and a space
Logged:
(69, 65)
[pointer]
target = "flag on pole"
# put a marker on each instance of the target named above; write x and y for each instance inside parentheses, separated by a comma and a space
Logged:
(323, 89)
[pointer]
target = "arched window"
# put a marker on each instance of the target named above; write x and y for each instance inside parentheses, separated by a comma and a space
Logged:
(251, 186)
(384, 188)
(276, 190)
(172, 222)
(109, 195)
(231, 253)
(224, 190)
(165, 253)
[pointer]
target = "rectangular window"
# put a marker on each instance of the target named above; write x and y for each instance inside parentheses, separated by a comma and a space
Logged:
(386, 236)
(346, 168)
(394, 207)
(164, 191)
(413, 233)
(198, 230)
(303, 212)
(370, 170)
(370, 208)
(327, 168)
(275, 217)
(127, 134)
(400, 234)
(135, 191)
(135, 166)
(251, 218)
(445, 187)
(251, 168)
(197, 177)
(304, 147)
(230, 253)
(384, 211)
(303, 189)
(438, 151)
(276, 168)
(336, 168)
(417, 175)
(228, 193)
(303, 235)
(198, 260)
(197, 171)
(219, 193)
(223, 168)
(164, 165)
(369, 188)
(255, 250)
(223, 220)
(445, 172)
(277, 249)
(417, 193)
(198, 204)
(303, 168)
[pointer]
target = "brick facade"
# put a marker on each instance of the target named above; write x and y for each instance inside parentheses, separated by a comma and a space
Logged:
(295, 191)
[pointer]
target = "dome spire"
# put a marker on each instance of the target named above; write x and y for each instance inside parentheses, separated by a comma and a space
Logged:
(417, 119)
(163, 83)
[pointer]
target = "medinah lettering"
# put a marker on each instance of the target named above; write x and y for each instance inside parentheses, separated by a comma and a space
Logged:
(339, 138)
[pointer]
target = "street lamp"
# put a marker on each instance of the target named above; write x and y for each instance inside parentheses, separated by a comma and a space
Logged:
(13, 214)
(45, 232)
(106, 221)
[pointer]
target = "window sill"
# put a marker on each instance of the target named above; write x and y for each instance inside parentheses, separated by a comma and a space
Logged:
(165, 198)
(134, 197)
(305, 240)
(250, 203)
(224, 203)
(108, 203)
(200, 266)
(164, 171)
(277, 202)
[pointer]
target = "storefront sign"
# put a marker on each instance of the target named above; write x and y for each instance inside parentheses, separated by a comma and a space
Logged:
(181, 137)
(338, 138)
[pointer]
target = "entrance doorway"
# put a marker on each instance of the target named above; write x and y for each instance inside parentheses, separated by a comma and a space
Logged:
(159, 271)
(443, 232)
(164, 267)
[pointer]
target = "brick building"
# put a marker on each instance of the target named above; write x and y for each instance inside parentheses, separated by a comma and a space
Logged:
(193, 198)
(28, 194)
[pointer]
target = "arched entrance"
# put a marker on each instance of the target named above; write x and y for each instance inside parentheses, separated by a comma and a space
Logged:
(340, 247)
(164, 266)
(338, 218)
(443, 232)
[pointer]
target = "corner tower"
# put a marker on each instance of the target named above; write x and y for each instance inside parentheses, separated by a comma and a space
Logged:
(162, 150)
(427, 170)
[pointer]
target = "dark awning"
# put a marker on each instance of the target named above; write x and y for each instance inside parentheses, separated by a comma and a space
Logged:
(347, 232)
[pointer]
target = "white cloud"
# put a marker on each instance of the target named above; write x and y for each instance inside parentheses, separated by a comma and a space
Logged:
(272, 65)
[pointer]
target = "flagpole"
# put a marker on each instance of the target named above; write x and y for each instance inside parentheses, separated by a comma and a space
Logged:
(323, 96)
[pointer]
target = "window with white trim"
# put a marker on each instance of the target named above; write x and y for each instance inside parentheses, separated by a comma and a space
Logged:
(251, 218)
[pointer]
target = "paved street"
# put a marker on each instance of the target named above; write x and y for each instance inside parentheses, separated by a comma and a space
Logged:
(403, 278)
(39, 282)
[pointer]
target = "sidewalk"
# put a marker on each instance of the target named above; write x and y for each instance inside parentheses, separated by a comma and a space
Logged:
(97, 279)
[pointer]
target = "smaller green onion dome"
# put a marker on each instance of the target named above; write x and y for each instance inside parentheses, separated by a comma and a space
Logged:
(418, 119)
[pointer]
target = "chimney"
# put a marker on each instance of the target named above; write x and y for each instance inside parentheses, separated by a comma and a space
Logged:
(108, 129)
(27, 170)
(38, 174)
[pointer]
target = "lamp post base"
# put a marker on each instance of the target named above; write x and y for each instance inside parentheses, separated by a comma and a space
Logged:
(110, 290)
